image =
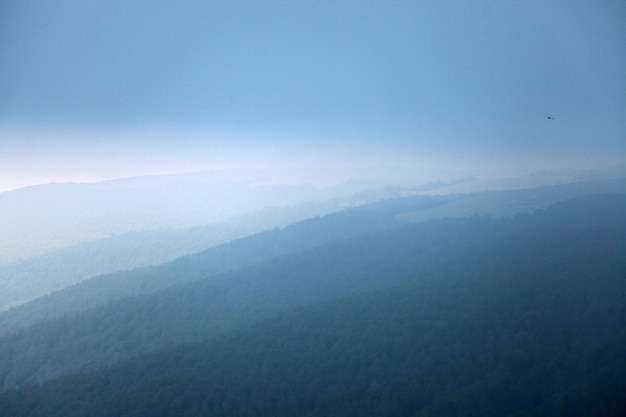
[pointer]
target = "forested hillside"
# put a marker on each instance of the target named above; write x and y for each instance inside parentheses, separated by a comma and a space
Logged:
(30, 278)
(507, 203)
(33, 277)
(243, 252)
(476, 317)
(312, 208)
(197, 310)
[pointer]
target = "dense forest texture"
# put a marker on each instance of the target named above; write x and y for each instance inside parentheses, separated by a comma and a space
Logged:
(220, 303)
(472, 317)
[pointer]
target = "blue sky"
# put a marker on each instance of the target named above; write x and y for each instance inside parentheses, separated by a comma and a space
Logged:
(102, 89)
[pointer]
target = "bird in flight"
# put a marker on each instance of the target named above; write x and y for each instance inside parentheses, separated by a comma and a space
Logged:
(549, 117)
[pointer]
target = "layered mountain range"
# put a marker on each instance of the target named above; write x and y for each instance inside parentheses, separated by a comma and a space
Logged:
(491, 303)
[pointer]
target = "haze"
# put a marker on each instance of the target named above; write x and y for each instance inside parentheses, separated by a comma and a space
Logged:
(312, 208)
(405, 90)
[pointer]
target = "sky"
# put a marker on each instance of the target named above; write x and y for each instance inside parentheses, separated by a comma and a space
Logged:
(93, 90)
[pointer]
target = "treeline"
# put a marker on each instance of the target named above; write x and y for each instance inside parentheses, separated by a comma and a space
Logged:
(243, 252)
(203, 309)
(511, 318)
(104, 334)
(30, 278)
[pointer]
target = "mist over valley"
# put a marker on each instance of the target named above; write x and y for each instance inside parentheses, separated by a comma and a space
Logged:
(325, 208)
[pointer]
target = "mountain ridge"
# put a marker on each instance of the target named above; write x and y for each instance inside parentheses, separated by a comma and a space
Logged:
(489, 330)
(207, 308)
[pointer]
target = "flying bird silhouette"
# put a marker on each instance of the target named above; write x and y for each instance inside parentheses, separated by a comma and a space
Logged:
(549, 117)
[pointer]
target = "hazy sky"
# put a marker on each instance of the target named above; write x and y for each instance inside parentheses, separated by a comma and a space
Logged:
(103, 89)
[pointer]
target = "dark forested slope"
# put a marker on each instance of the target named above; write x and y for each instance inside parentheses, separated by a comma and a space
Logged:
(523, 317)
(566, 234)
(202, 309)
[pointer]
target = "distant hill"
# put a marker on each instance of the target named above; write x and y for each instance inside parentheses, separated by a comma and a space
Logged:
(243, 252)
(584, 236)
(479, 316)
(39, 219)
(25, 280)
(507, 203)
(29, 279)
